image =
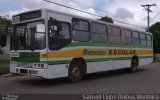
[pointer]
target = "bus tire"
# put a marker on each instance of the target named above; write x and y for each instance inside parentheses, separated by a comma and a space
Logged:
(75, 72)
(134, 65)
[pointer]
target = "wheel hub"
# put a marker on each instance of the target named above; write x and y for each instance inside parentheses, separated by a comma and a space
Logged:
(76, 72)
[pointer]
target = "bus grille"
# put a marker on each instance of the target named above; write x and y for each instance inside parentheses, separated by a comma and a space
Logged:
(23, 71)
(24, 64)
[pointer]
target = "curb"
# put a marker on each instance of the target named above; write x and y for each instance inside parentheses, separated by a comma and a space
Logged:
(7, 75)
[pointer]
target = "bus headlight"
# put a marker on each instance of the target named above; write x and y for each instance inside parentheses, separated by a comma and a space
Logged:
(39, 65)
(13, 64)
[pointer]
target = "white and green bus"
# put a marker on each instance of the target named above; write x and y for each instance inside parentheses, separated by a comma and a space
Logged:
(52, 44)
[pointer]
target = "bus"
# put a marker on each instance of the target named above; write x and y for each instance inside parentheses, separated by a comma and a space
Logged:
(51, 44)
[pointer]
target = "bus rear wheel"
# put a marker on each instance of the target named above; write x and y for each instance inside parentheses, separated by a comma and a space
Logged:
(134, 65)
(75, 72)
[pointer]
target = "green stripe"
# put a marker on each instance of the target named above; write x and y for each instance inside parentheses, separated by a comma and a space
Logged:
(56, 62)
(94, 60)
(35, 57)
(27, 57)
(113, 59)
(89, 60)
(4, 57)
(75, 44)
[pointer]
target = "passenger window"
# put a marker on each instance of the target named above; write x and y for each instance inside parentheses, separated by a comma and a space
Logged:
(99, 32)
(143, 38)
(149, 40)
(135, 36)
(80, 30)
(66, 30)
(126, 36)
(114, 34)
(63, 37)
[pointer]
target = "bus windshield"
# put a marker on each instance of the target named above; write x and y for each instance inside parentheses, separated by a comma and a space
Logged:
(29, 36)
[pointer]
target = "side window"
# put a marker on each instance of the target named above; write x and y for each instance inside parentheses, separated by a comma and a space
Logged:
(126, 36)
(66, 31)
(99, 32)
(143, 38)
(62, 36)
(114, 34)
(3, 40)
(80, 30)
(149, 40)
(135, 36)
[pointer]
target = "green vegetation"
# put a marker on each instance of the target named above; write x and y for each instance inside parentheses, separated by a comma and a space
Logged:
(5, 21)
(106, 19)
(4, 57)
(4, 68)
(155, 29)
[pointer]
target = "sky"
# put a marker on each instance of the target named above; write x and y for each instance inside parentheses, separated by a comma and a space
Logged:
(128, 11)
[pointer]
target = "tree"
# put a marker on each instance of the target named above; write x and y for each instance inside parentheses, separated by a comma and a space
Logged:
(5, 21)
(155, 30)
(106, 19)
(4, 24)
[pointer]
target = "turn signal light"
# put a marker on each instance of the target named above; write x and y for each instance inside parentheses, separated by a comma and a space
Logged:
(39, 66)
(33, 72)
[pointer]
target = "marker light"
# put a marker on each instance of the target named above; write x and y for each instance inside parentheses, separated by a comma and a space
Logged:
(41, 66)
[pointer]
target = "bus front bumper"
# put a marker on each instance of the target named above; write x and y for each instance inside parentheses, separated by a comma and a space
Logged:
(29, 71)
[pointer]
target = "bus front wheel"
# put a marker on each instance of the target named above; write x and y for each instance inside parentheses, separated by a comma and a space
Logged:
(75, 72)
(134, 65)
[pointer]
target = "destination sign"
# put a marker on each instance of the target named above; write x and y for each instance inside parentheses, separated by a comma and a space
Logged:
(27, 16)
